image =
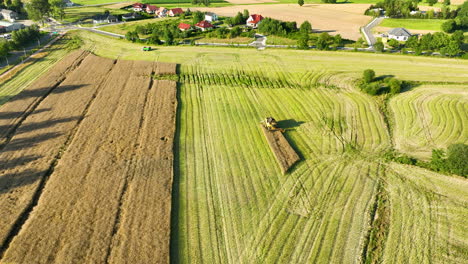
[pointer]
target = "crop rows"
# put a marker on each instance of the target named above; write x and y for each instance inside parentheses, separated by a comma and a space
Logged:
(430, 117)
(86, 175)
(237, 207)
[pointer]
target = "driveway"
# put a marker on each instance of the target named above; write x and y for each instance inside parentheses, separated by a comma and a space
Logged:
(367, 30)
(259, 42)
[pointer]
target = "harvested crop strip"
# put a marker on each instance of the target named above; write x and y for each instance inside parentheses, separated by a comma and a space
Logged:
(284, 153)
(37, 143)
(14, 111)
(108, 199)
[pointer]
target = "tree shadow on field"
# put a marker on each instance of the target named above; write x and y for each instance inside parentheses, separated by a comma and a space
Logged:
(11, 181)
(45, 91)
(31, 126)
(11, 115)
(174, 249)
(322, 31)
(17, 144)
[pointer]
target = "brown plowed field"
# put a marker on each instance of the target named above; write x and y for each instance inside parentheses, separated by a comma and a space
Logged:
(97, 187)
(284, 153)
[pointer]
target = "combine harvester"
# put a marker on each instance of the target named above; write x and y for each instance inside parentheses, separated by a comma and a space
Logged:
(284, 153)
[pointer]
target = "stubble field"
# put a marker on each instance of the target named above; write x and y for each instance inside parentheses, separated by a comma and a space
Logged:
(87, 149)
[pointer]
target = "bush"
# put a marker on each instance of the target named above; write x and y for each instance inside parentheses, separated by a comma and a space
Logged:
(368, 76)
(449, 26)
(394, 43)
(394, 85)
(457, 159)
(379, 46)
(371, 88)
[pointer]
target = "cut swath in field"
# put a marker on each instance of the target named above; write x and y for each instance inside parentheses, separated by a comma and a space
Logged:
(284, 153)
(93, 184)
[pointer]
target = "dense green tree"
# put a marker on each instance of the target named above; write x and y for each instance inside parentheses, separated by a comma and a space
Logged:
(303, 41)
(394, 85)
(449, 26)
(198, 16)
(379, 46)
(57, 8)
(245, 15)
(323, 41)
(306, 27)
(438, 160)
(368, 76)
(451, 49)
(238, 19)
(38, 9)
(235, 32)
(457, 159)
(300, 2)
(412, 42)
(447, 2)
(4, 48)
(338, 40)
(395, 44)
(431, 2)
(132, 36)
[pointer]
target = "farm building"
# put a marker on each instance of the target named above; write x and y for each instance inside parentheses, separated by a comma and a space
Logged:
(130, 16)
(401, 34)
(254, 20)
(151, 9)
(138, 7)
(175, 12)
(209, 16)
(8, 15)
(204, 25)
(102, 19)
(8, 27)
(184, 27)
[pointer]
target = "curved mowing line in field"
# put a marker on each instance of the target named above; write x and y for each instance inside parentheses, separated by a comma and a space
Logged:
(430, 117)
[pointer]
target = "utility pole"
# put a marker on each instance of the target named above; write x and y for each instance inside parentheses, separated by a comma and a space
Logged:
(6, 58)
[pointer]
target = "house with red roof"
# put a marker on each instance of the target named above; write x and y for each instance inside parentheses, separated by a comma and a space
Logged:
(151, 9)
(204, 25)
(254, 20)
(184, 27)
(138, 7)
(175, 12)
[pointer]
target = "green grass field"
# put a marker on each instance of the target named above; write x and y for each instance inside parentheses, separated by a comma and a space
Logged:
(231, 203)
(129, 26)
(415, 24)
(96, 2)
(27, 75)
(82, 13)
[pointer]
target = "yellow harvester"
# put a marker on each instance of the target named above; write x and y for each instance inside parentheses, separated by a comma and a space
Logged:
(271, 124)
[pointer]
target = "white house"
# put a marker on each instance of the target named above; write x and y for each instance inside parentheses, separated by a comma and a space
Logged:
(400, 34)
(138, 7)
(254, 20)
(209, 16)
(8, 15)
(101, 19)
(161, 12)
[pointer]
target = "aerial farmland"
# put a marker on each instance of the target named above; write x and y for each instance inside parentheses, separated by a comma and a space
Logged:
(117, 151)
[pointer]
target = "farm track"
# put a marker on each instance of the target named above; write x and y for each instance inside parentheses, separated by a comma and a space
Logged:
(97, 182)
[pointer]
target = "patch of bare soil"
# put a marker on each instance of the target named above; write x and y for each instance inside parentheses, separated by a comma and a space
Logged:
(284, 153)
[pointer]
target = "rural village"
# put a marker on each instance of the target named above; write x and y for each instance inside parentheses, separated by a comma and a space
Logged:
(233, 131)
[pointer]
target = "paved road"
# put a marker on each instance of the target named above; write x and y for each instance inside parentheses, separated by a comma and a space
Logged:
(259, 42)
(367, 31)
(13, 56)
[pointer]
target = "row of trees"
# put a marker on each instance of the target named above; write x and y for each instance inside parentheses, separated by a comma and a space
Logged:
(276, 27)
(239, 18)
(201, 2)
(459, 22)
(445, 44)
(38, 10)
(19, 38)
(14, 5)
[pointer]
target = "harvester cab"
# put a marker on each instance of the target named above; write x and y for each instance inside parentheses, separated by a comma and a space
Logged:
(271, 124)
